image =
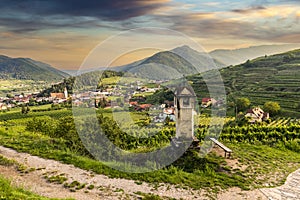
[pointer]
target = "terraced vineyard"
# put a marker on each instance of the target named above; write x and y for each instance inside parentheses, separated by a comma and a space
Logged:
(284, 121)
(268, 78)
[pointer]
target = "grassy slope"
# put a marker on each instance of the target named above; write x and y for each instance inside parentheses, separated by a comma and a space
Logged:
(271, 78)
(262, 161)
(27, 69)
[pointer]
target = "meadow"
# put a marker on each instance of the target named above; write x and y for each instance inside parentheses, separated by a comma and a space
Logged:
(51, 134)
(15, 86)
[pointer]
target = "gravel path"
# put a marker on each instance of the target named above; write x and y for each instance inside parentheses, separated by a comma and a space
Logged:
(109, 188)
(289, 191)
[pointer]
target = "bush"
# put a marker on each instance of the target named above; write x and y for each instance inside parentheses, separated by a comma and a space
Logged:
(45, 125)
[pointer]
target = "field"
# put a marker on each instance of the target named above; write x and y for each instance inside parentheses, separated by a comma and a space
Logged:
(253, 164)
(19, 86)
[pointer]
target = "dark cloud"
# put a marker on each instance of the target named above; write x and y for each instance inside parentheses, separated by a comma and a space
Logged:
(31, 15)
(248, 10)
(102, 9)
(34, 23)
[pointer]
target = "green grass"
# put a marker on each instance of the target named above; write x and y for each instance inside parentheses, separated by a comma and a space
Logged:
(120, 80)
(187, 172)
(6, 162)
(265, 165)
(14, 86)
(10, 192)
(16, 114)
(43, 146)
(59, 179)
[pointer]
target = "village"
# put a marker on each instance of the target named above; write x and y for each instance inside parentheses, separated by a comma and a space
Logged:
(133, 96)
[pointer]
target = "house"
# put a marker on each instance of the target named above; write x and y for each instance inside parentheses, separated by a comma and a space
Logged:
(143, 107)
(206, 102)
(57, 95)
(257, 115)
(169, 111)
(77, 102)
(3, 106)
(133, 103)
(62, 95)
(9, 106)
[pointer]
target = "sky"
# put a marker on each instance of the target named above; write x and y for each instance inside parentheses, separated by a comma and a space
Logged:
(63, 32)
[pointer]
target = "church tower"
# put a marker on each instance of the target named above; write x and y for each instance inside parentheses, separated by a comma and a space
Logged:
(66, 93)
(185, 103)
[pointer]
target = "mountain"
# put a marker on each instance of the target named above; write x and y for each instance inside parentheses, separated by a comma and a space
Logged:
(238, 56)
(28, 69)
(171, 64)
(267, 78)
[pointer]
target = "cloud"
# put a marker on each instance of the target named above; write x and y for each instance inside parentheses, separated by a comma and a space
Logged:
(274, 23)
(248, 10)
(106, 10)
(32, 15)
(28, 23)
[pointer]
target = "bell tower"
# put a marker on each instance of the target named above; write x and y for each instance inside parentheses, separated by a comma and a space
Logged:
(184, 102)
(65, 93)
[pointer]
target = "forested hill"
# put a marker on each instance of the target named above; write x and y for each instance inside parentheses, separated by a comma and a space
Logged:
(268, 78)
(28, 69)
(87, 79)
(167, 65)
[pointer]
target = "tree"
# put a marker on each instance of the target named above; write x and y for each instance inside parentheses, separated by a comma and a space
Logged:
(23, 111)
(272, 107)
(167, 121)
(242, 104)
(248, 64)
(27, 109)
(9, 95)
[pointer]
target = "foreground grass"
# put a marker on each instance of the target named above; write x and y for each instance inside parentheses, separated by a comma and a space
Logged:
(10, 192)
(265, 166)
(257, 165)
(187, 172)
(204, 175)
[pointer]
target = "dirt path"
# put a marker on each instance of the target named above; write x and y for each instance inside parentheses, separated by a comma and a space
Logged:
(104, 187)
(290, 190)
(108, 188)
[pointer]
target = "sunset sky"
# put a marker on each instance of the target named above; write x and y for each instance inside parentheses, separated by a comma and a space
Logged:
(63, 32)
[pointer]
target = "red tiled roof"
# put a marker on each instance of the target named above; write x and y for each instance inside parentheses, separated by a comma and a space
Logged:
(143, 106)
(206, 100)
(57, 95)
(133, 103)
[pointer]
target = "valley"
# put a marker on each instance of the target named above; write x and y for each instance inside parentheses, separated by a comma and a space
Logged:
(129, 107)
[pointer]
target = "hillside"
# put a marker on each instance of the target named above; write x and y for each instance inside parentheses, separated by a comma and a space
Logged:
(86, 80)
(171, 64)
(268, 78)
(28, 69)
(238, 56)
